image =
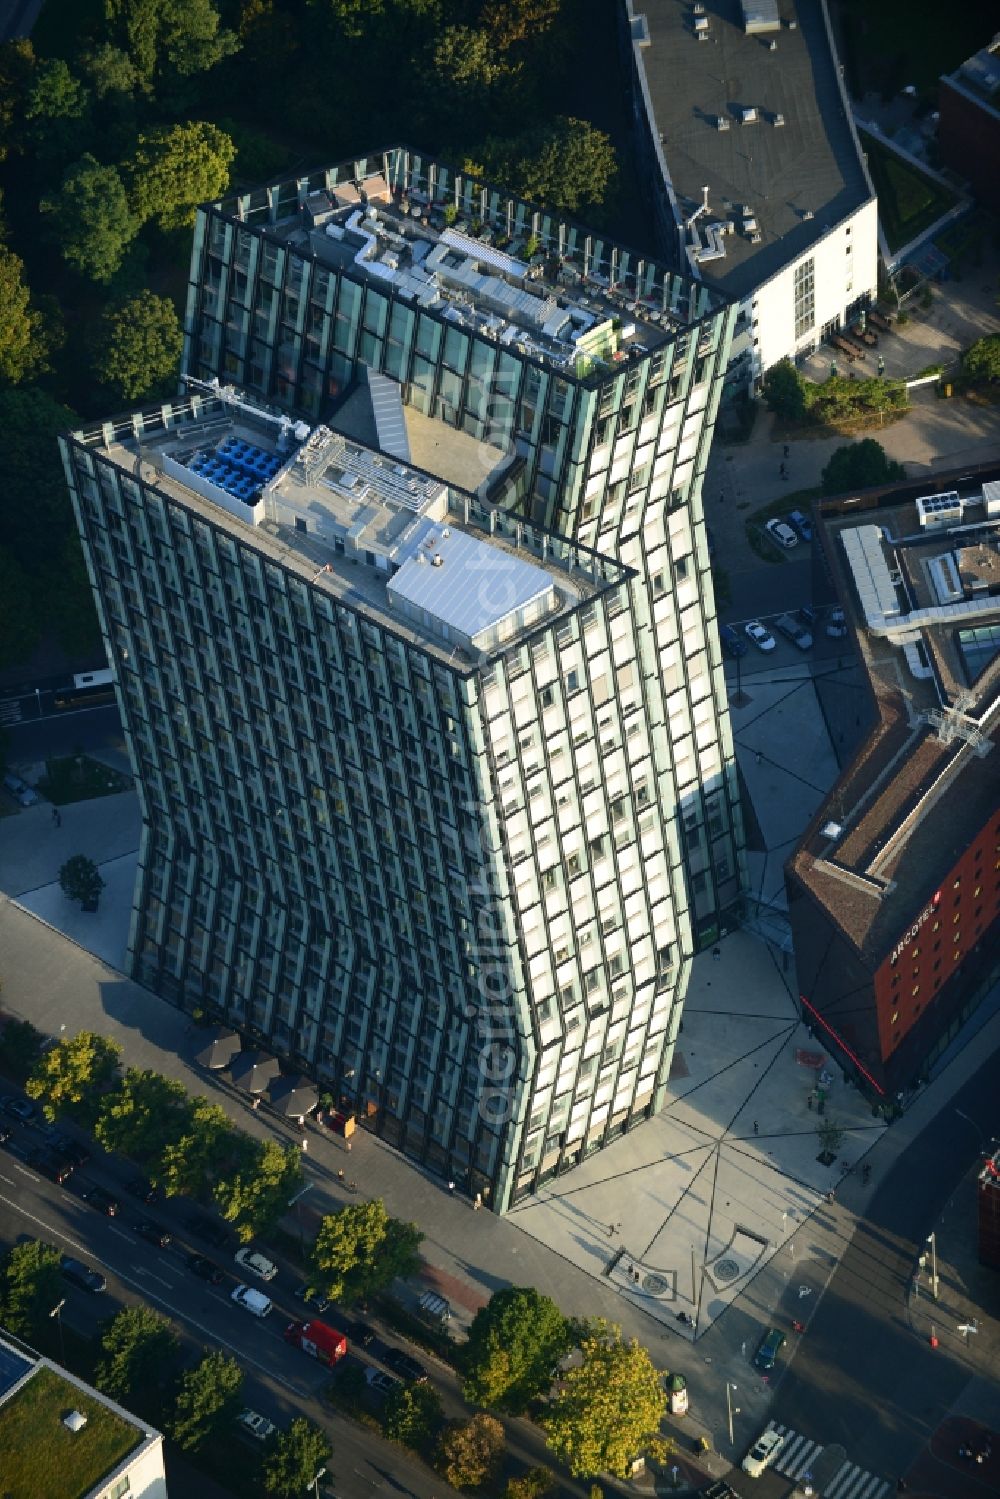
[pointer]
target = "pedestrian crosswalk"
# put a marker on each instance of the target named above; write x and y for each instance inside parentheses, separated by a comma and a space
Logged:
(798, 1460)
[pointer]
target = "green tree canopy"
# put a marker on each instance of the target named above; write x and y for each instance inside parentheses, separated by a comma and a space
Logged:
(20, 323)
(207, 1400)
(255, 1196)
(469, 1452)
(38, 515)
(139, 1350)
(190, 1164)
(858, 465)
(57, 108)
(110, 71)
(413, 1415)
(80, 879)
(143, 1115)
(982, 360)
(515, 1342)
(176, 168)
(20, 620)
(183, 36)
(17, 71)
(20, 1048)
(71, 1076)
(360, 1249)
(564, 164)
(295, 1458)
(90, 219)
(137, 349)
(785, 391)
(607, 1409)
(533, 1484)
(30, 1287)
(70, 600)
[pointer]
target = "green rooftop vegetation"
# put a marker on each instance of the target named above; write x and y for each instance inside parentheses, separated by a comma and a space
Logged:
(908, 200)
(40, 1458)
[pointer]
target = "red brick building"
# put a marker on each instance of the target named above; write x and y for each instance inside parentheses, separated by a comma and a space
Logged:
(969, 122)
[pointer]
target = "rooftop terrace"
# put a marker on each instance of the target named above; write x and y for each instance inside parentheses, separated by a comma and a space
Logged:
(427, 560)
(758, 117)
(917, 579)
(494, 265)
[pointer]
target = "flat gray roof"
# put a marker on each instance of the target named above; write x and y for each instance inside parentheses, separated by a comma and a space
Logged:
(808, 164)
(465, 584)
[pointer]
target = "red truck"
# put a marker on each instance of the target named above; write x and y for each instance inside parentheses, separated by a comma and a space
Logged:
(315, 1338)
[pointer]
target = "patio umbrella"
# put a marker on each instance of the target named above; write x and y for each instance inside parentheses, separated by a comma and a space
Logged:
(221, 1045)
(293, 1096)
(253, 1070)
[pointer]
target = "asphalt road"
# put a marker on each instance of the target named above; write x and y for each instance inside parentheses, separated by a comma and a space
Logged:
(33, 738)
(860, 1376)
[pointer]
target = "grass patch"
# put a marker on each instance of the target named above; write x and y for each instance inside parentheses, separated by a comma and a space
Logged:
(78, 778)
(908, 201)
(40, 1458)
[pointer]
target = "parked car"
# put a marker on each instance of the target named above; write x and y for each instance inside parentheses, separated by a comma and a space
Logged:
(20, 1108)
(383, 1383)
(207, 1229)
(51, 1164)
(79, 1274)
(23, 794)
(5, 1134)
(836, 624)
(763, 1452)
(152, 1233)
(761, 638)
(70, 1149)
(139, 1187)
(255, 1425)
(802, 524)
(807, 614)
(205, 1270)
(363, 1335)
(311, 1298)
(254, 1302)
(771, 1345)
(101, 1200)
(257, 1263)
(781, 532)
(732, 644)
(406, 1367)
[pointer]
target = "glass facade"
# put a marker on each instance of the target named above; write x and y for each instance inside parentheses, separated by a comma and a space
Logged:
(465, 901)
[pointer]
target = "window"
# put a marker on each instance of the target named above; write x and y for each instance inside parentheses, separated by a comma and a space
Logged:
(804, 292)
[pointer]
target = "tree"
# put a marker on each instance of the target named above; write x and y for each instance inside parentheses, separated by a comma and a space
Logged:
(515, 1342)
(110, 71)
(607, 1407)
(295, 1459)
(564, 164)
(90, 219)
(831, 1136)
(81, 880)
(508, 22)
(58, 108)
(143, 1115)
(982, 360)
(469, 1452)
(208, 1397)
(137, 349)
(360, 1249)
(17, 70)
(30, 1287)
(190, 1163)
(413, 1415)
(74, 1073)
(858, 465)
(20, 623)
(38, 515)
(534, 1484)
(256, 1196)
(70, 599)
(139, 1352)
(20, 1048)
(785, 392)
(176, 168)
(20, 323)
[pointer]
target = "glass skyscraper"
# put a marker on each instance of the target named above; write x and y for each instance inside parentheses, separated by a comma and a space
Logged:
(425, 695)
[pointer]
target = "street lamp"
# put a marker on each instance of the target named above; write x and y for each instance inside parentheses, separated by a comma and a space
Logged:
(730, 1411)
(314, 1482)
(932, 1241)
(56, 1312)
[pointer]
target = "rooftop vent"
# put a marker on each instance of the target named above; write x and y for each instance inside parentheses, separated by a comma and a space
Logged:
(755, 237)
(721, 123)
(772, 45)
(699, 9)
(701, 23)
(808, 214)
(437, 560)
(750, 224)
(75, 1421)
(832, 829)
(748, 116)
(779, 119)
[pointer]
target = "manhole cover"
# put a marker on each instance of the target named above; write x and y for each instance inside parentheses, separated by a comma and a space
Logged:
(655, 1284)
(726, 1269)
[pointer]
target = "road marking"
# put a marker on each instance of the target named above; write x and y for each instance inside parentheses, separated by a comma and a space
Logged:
(29, 1174)
(8, 1179)
(208, 1332)
(121, 1234)
(141, 1270)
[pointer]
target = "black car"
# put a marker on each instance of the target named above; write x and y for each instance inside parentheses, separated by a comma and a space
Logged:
(79, 1274)
(313, 1300)
(19, 1108)
(5, 1134)
(405, 1366)
(152, 1232)
(52, 1165)
(143, 1189)
(733, 644)
(207, 1229)
(71, 1150)
(205, 1270)
(101, 1200)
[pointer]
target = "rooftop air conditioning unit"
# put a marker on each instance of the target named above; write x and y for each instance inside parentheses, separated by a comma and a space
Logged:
(703, 36)
(699, 9)
(700, 24)
(721, 123)
(808, 214)
(748, 116)
(779, 119)
(755, 237)
(772, 45)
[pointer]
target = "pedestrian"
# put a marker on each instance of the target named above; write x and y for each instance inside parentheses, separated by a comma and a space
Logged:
(478, 1202)
(809, 1102)
(758, 757)
(352, 1186)
(866, 1172)
(829, 1195)
(305, 1145)
(340, 1175)
(755, 1129)
(722, 496)
(451, 1187)
(57, 817)
(255, 1105)
(716, 953)
(349, 1147)
(611, 1230)
(787, 451)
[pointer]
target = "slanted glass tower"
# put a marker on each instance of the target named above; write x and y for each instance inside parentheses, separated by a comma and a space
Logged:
(410, 607)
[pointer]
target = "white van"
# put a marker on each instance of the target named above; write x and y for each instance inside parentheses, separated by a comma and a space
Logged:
(253, 1301)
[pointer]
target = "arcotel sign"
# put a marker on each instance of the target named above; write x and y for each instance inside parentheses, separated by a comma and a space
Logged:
(911, 933)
